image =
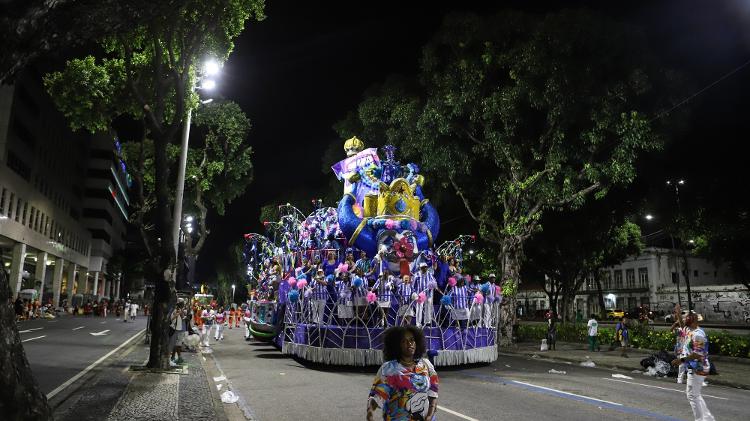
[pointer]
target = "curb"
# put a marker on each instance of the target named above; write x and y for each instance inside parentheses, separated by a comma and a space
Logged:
(712, 379)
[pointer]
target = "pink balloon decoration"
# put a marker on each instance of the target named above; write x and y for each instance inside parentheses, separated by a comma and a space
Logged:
(498, 290)
(371, 297)
(422, 297)
(452, 281)
(292, 282)
(301, 283)
(478, 298)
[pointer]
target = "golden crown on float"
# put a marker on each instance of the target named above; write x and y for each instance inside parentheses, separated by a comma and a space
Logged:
(397, 199)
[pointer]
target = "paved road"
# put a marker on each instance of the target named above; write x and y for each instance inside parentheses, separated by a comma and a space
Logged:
(274, 387)
(61, 348)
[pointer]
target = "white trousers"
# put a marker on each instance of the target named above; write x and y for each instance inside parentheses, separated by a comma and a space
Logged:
(423, 312)
(487, 316)
(205, 334)
(318, 310)
(681, 371)
(693, 392)
(219, 331)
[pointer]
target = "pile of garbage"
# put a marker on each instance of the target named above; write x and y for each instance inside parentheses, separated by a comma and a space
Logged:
(659, 365)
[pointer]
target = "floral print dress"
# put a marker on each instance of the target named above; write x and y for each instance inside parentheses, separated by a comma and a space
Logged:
(403, 392)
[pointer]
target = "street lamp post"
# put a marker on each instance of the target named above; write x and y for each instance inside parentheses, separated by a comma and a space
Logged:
(233, 286)
(675, 184)
(650, 218)
(210, 68)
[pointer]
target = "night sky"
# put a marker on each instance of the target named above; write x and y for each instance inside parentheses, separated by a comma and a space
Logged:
(303, 68)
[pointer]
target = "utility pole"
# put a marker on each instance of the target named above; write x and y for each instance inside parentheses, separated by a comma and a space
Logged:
(676, 185)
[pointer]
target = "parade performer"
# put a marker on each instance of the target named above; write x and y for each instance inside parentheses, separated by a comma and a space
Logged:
(230, 313)
(344, 308)
(220, 320)
(489, 292)
(208, 315)
(319, 294)
(460, 298)
(475, 309)
(406, 296)
(424, 281)
(383, 288)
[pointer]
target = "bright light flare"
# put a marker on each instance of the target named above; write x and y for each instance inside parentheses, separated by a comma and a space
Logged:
(209, 84)
(211, 67)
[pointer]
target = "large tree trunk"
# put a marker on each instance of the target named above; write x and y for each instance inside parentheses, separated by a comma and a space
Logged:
(511, 259)
(20, 398)
(164, 291)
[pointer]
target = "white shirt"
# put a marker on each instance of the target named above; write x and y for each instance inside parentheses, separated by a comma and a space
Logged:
(593, 326)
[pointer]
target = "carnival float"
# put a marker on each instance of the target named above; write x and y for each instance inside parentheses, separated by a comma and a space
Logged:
(327, 285)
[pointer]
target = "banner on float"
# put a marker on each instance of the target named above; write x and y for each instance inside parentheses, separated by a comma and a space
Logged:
(354, 164)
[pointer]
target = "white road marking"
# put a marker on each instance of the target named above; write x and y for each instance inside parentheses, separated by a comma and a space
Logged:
(31, 339)
(101, 323)
(567, 393)
(458, 414)
(79, 327)
(103, 332)
(663, 388)
(60, 388)
(30, 330)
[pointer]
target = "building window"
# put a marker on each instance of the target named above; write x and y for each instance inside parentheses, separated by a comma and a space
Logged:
(632, 303)
(607, 277)
(630, 278)
(100, 235)
(24, 134)
(675, 277)
(618, 279)
(2, 203)
(31, 217)
(37, 220)
(18, 166)
(643, 277)
(695, 274)
(645, 302)
(18, 209)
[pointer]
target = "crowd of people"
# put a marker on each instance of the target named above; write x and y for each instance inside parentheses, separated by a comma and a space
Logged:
(193, 326)
(368, 291)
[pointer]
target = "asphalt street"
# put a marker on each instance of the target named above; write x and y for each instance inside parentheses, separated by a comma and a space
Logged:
(272, 386)
(61, 348)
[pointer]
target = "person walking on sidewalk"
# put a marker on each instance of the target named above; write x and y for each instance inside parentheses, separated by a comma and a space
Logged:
(176, 332)
(552, 334)
(696, 359)
(593, 328)
(681, 332)
(621, 332)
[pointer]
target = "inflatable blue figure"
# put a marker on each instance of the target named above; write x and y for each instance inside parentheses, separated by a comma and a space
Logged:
(395, 219)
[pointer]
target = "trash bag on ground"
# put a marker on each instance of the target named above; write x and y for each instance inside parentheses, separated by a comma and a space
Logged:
(659, 364)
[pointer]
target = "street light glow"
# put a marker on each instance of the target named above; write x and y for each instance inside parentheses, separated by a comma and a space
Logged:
(189, 218)
(649, 217)
(471, 251)
(211, 67)
(208, 84)
(190, 230)
(681, 182)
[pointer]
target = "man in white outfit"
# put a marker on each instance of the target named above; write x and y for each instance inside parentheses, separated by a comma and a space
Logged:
(133, 311)
(695, 357)
(126, 311)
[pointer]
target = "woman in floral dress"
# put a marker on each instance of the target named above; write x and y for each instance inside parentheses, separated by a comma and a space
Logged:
(406, 386)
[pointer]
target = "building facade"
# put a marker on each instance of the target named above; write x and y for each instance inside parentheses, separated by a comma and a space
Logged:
(54, 234)
(657, 279)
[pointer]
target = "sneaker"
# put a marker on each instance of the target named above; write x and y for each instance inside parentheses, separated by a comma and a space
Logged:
(172, 363)
(679, 381)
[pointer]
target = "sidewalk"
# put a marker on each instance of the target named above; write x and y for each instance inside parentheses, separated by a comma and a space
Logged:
(117, 392)
(732, 373)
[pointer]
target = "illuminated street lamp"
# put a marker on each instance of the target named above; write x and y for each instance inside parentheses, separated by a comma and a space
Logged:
(209, 68)
(233, 286)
